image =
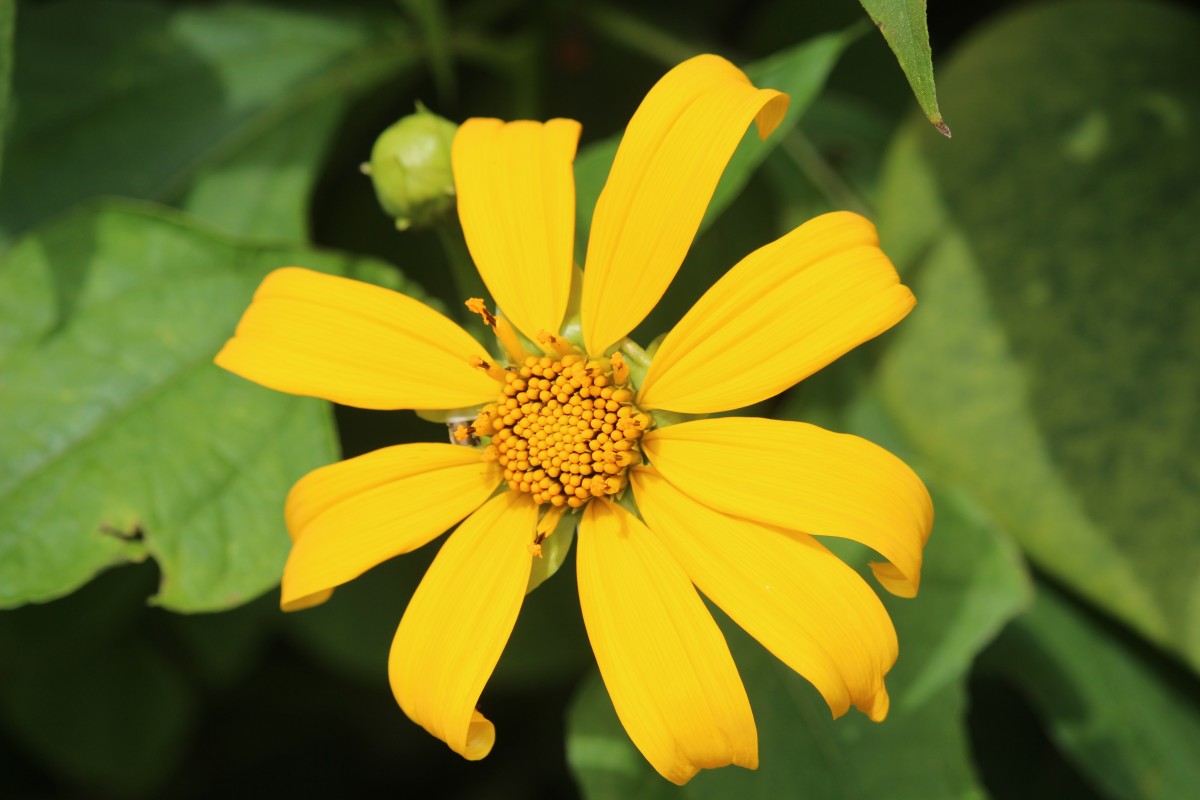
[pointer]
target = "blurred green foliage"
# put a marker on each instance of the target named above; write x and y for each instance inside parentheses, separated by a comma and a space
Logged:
(126, 442)
(1046, 386)
(1054, 253)
(224, 110)
(8, 11)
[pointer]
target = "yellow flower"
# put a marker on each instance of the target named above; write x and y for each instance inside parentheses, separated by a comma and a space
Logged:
(567, 426)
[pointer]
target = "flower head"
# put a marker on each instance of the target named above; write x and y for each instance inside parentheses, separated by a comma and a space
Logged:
(567, 420)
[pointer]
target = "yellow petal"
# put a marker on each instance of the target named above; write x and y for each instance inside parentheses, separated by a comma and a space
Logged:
(354, 343)
(458, 621)
(516, 202)
(807, 607)
(347, 517)
(662, 657)
(802, 478)
(781, 314)
(667, 166)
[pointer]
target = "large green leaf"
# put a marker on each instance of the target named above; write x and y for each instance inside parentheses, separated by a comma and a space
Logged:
(1123, 716)
(971, 585)
(799, 72)
(902, 23)
(121, 438)
(1051, 363)
(169, 94)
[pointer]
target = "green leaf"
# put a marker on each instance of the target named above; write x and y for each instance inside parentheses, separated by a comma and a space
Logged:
(8, 13)
(122, 440)
(972, 584)
(902, 23)
(800, 72)
(262, 190)
(173, 93)
(1125, 717)
(1050, 365)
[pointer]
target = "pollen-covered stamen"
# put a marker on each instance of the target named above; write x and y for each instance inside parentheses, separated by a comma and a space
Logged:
(493, 370)
(554, 345)
(501, 327)
(620, 369)
(476, 306)
(564, 430)
(464, 432)
(546, 526)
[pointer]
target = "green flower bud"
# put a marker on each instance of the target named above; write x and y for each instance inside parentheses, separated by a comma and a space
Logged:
(410, 167)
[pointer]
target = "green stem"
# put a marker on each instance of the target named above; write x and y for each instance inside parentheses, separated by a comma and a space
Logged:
(429, 16)
(485, 13)
(800, 149)
(462, 268)
(638, 35)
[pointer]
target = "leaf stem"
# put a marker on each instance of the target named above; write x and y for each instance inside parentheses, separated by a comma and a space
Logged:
(801, 150)
(638, 35)
(462, 268)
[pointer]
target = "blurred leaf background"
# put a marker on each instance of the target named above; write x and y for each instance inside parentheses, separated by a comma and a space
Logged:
(160, 157)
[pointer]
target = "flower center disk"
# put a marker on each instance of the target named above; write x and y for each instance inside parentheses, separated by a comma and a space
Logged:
(564, 430)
